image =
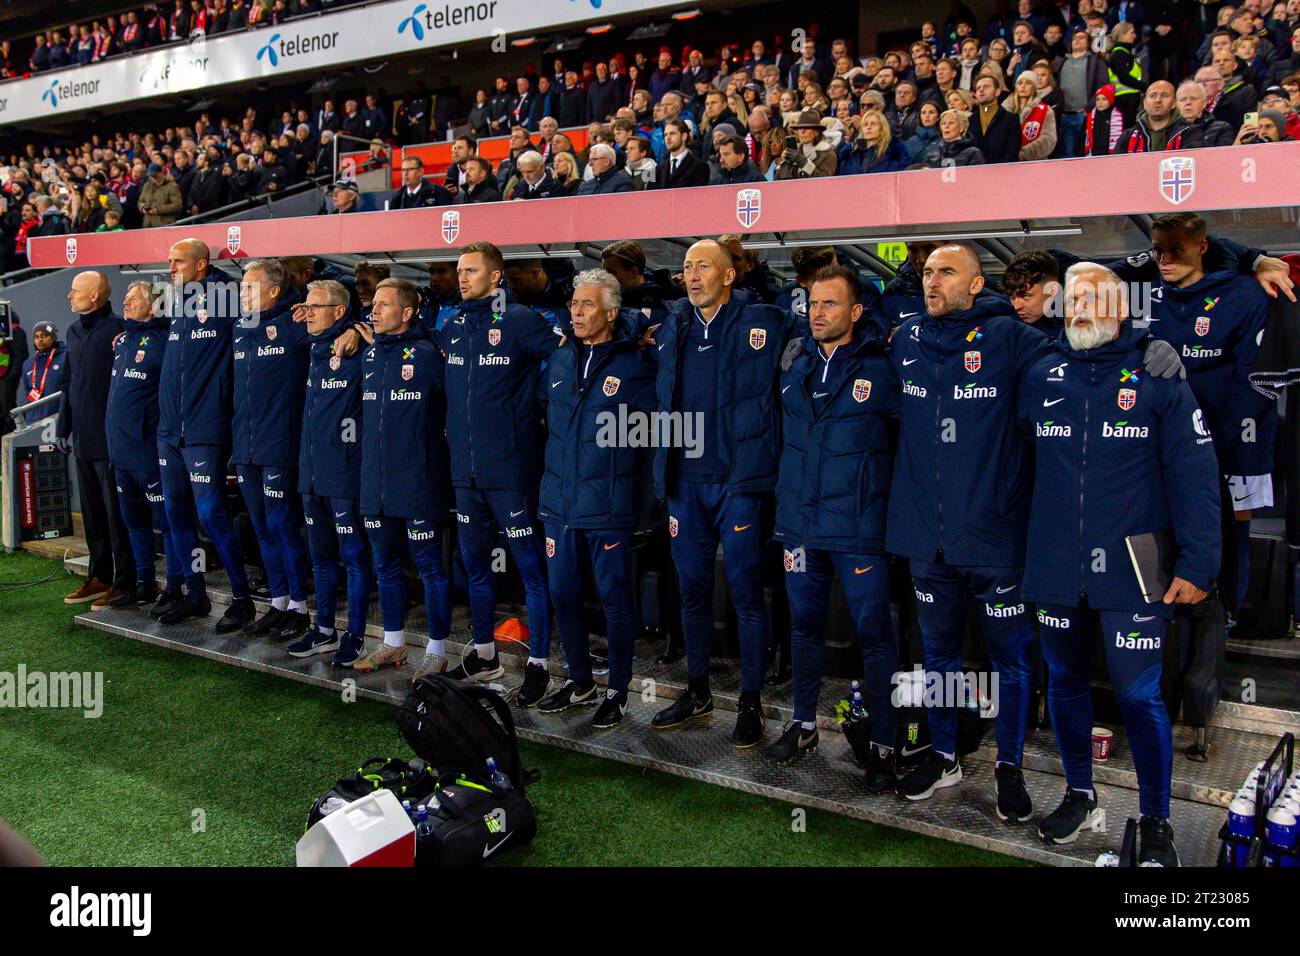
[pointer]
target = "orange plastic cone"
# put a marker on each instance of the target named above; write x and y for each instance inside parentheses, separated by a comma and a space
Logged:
(512, 630)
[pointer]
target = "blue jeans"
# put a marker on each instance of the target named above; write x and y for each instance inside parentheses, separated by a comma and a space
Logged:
(1072, 133)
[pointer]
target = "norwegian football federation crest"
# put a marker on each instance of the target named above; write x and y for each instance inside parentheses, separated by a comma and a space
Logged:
(1030, 132)
(1177, 178)
(233, 237)
(757, 338)
(450, 225)
(70, 250)
(550, 547)
(335, 362)
(408, 372)
(1202, 325)
(1127, 398)
(672, 526)
(973, 361)
(611, 385)
(749, 206)
(494, 336)
(861, 389)
(139, 357)
(271, 333)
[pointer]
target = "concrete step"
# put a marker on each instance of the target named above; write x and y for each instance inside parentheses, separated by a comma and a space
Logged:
(827, 779)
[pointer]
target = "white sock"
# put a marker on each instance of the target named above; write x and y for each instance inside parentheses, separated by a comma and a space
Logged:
(394, 638)
(300, 606)
(327, 631)
(539, 661)
(808, 724)
(280, 603)
(437, 648)
(948, 757)
(486, 652)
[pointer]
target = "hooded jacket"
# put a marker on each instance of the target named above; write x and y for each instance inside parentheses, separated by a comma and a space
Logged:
(329, 459)
(1117, 452)
(131, 425)
(271, 356)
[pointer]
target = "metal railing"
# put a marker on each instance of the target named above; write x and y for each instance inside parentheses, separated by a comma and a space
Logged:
(19, 414)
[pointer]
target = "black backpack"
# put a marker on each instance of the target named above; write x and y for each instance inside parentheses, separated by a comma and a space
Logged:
(456, 726)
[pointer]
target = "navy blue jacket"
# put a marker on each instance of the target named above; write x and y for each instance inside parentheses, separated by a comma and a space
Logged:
(403, 432)
(195, 395)
(329, 462)
(131, 424)
(88, 374)
(962, 476)
(833, 484)
(748, 416)
(494, 362)
(594, 477)
(797, 305)
(613, 180)
(1117, 453)
(904, 298)
(271, 356)
(1217, 325)
(45, 369)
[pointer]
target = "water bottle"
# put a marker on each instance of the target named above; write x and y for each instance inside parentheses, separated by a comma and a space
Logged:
(1280, 830)
(423, 828)
(498, 779)
(410, 814)
(858, 709)
(1241, 822)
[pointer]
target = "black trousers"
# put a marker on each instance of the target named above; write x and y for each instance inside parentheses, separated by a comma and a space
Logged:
(106, 538)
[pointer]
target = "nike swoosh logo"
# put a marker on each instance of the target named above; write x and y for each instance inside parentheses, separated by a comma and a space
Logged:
(863, 570)
(820, 394)
(661, 347)
(339, 514)
(515, 514)
(739, 527)
(704, 348)
(152, 484)
(1005, 590)
(1143, 620)
(784, 388)
(455, 340)
(272, 477)
(611, 547)
(907, 315)
(1242, 498)
(1047, 404)
(370, 374)
(199, 464)
(907, 362)
(417, 521)
(489, 850)
(907, 751)
(557, 384)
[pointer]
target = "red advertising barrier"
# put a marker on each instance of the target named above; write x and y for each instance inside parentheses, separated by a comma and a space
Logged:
(1229, 177)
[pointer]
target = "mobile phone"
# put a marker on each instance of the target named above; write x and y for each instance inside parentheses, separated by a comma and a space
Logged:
(1250, 119)
(6, 321)
(791, 142)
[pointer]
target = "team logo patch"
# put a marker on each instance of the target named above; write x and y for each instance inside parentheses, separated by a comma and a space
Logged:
(975, 334)
(408, 353)
(494, 336)
(1127, 398)
(1031, 130)
(973, 361)
(233, 237)
(749, 206)
(70, 250)
(788, 557)
(757, 338)
(611, 385)
(139, 356)
(1202, 325)
(271, 333)
(408, 372)
(335, 362)
(1177, 178)
(672, 526)
(861, 392)
(550, 547)
(450, 226)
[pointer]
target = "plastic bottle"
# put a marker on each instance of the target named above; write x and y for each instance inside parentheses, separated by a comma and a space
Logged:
(1241, 822)
(858, 708)
(422, 826)
(410, 814)
(498, 778)
(1280, 829)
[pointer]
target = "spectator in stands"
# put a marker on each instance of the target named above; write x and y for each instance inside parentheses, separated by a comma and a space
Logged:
(533, 181)
(734, 165)
(479, 123)
(1290, 65)
(955, 146)
(1238, 97)
(95, 205)
(462, 148)
(327, 118)
(480, 184)
(1082, 73)
(345, 196)
(808, 63)
(1037, 121)
(54, 221)
(605, 94)
(903, 113)
(1125, 72)
(876, 150)
(640, 165)
(665, 77)
(1275, 98)
(498, 107)
(1191, 106)
(1270, 127)
(545, 103)
(374, 120)
(564, 168)
(994, 131)
(112, 222)
(274, 176)
(607, 178)
(416, 192)
(572, 102)
(209, 189)
(812, 155)
(681, 167)
(521, 104)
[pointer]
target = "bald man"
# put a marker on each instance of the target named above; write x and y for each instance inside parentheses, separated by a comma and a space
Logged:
(81, 426)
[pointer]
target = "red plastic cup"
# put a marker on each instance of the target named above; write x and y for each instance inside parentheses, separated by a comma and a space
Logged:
(1101, 741)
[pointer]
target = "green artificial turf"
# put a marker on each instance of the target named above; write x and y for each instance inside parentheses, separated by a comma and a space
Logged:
(183, 740)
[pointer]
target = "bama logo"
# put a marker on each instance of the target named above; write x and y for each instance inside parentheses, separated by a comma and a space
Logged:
(1134, 641)
(59, 92)
(1052, 430)
(974, 391)
(1123, 430)
(278, 48)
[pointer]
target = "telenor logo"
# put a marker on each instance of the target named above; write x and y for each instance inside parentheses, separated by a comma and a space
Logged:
(417, 28)
(52, 94)
(269, 50)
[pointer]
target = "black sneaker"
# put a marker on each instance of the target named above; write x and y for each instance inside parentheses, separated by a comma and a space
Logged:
(291, 624)
(570, 695)
(476, 670)
(1078, 811)
(684, 708)
(314, 642)
(537, 680)
(266, 623)
(351, 647)
(795, 741)
(239, 613)
(749, 727)
(1014, 805)
(1156, 843)
(934, 772)
(610, 711)
(166, 601)
(881, 773)
(136, 595)
(184, 609)
(260, 589)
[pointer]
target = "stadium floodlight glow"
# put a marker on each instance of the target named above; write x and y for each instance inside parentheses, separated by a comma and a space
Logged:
(650, 31)
(523, 41)
(597, 28)
(690, 14)
(920, 237)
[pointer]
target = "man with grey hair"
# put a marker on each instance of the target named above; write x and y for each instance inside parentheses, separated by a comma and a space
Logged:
(1149, 474)
(607, 177)
(271, 358)
(1192, 101)
(534, 181)
(601, 386)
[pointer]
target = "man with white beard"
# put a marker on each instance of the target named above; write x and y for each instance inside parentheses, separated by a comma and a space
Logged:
(1118, 453)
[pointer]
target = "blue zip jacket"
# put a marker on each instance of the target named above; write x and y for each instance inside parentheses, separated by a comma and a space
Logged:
(962, 476)
(403, 432)
(794, 298)
(833, 484)
(271, 357)
(494, 362)
(131, 422)
(748, 417)
(1117, 452)
(1217, 324)
(195, 395)
(594, 475)
(47, 368)
(329, 463)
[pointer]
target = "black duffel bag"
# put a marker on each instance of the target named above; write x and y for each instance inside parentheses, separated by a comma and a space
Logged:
(470, 820)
